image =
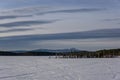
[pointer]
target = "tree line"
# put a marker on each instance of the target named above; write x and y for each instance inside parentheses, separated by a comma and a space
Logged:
(110, 53)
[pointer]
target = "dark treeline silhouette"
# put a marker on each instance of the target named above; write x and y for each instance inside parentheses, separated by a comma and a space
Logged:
(73, 54)
(30, 53)
(111, 53)
(7, 53)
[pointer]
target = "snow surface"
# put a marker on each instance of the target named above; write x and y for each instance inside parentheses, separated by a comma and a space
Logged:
(43, 68)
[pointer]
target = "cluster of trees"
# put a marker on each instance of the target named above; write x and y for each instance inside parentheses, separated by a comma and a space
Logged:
(6, 53)
(111, 53)
(73, 54)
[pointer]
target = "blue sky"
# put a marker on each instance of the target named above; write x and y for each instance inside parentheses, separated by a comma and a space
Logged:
(58, 24)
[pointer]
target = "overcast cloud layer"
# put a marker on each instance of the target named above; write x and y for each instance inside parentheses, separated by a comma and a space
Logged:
(82, 24)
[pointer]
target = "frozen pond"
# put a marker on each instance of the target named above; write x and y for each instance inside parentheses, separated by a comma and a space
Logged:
(43, 68)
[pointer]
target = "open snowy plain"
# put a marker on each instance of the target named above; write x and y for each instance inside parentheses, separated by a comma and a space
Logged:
(43, 68)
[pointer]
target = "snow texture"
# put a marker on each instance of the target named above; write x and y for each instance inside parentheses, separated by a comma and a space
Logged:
(44, 68)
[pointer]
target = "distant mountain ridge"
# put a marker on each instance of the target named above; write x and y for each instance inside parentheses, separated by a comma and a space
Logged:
(49, 50)
(65, 53)
(57, 50)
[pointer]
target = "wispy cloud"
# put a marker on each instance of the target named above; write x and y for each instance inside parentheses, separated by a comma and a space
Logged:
(72, 10)
(27, 23)
(38, 41)
(14, 30)
(13, 16)
(113, 19)
(26, 10)
(103, 33)
(50, 10)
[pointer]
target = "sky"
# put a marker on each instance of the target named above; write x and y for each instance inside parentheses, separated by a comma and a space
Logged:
(59, 24)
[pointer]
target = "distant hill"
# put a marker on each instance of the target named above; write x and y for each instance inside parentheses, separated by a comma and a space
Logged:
(65, 53)
(57, 50)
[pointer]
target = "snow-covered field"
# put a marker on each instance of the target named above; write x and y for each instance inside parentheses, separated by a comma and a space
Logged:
(43, 68)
